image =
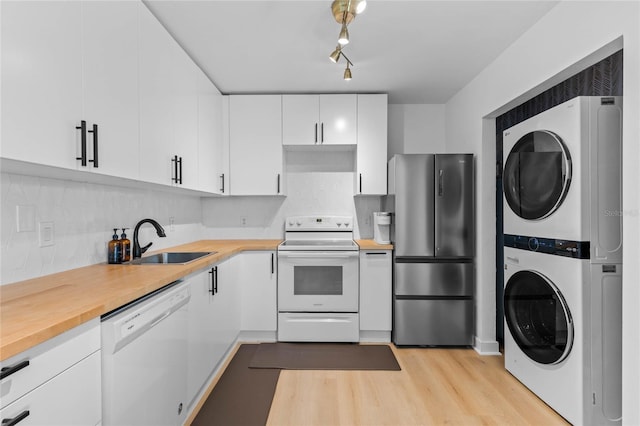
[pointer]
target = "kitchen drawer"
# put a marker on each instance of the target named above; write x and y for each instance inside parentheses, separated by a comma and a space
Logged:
(438, 322)
(434, 279)
(70, 398)
(48, 359)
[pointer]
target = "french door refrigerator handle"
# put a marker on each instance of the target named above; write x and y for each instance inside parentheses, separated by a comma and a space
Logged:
(441, 183)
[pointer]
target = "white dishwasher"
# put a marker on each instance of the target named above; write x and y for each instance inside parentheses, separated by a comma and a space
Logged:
(144, 359)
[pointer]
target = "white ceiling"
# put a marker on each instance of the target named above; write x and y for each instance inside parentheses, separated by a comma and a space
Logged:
(417, 51)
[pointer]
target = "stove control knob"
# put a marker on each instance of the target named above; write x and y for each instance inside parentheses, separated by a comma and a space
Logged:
(290, 223)
(346, 224)
(299, 223)
(339, 224)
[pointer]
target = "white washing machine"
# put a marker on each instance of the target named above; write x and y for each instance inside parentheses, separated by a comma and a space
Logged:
(562, 175)
(563, 335)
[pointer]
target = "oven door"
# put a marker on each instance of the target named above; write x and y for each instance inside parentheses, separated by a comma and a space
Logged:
(318, 281)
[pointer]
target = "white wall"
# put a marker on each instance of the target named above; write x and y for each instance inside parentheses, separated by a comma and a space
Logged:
(549, 52)
(84, 216)
(416, 129)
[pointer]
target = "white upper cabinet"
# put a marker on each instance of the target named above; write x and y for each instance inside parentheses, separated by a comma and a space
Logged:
(41, 82)
(255, 153)
(211, 152)
(65, 63)
(319, 119)
(371, 157)
(110, 70)
(157, 94)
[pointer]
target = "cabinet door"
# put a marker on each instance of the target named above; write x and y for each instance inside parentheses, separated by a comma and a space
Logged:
(70, 398)
(259, 291)
(255, 132)
(157, 76)
(338, 119)
(202, 351)
(375, 290)
(110, 77)
(210, 148)
(185, 117)
(300, 119)
(371, 176)
(41, 82)
(226, 303)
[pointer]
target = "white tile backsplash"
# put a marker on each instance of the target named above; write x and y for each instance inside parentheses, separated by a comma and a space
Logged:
(308, 193)
(84, 216)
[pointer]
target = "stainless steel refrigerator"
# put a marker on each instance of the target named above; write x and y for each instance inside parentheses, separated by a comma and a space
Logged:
(431, 200)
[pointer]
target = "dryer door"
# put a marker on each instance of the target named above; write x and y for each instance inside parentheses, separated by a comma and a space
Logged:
(538, 317)
(537, 174)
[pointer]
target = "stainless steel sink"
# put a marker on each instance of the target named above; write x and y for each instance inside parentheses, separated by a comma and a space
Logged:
(172, 258)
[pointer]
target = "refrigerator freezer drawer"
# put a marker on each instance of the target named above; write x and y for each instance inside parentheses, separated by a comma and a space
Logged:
(433, 322)
(433, 279)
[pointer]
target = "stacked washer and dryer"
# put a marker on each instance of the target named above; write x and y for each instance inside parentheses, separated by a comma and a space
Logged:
(563, 257)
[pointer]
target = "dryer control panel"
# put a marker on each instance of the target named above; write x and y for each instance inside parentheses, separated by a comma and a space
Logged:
(575, 249)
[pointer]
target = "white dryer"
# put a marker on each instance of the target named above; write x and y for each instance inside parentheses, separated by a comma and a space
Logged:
(562, 175)
(557, 321)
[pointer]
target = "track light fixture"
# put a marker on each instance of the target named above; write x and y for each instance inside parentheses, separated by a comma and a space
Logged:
(345, 11)
(335, 55)
(343, 38)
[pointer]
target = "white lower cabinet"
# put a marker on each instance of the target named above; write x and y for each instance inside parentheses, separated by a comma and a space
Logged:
(375, 292)
(259, 291)
(214, 322)
(55, 383)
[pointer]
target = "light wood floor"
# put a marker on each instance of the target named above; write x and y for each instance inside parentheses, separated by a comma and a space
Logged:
(435, 387)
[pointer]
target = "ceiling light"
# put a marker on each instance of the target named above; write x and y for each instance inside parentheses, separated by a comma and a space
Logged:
(346, 10)
(335, 55)
(347, 73)
(343, 38)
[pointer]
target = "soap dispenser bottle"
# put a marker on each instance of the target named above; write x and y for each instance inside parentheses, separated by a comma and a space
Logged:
(115, 248)
(126, 246)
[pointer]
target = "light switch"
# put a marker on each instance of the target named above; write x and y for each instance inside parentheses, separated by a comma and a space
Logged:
(26, 218)
(46, 233)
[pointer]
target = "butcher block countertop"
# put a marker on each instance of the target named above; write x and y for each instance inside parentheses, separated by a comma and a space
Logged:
(38, 309)
(372, 245)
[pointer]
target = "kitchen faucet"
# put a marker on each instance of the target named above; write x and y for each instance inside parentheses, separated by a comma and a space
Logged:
(137, 250)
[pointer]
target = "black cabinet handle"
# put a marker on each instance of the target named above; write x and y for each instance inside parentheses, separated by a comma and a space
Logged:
(278, 184)
(174, 160)
(17, 419)
(215, 280)
(222, 178)
(94, 131)
(361, 183)
(7, 371)
(211, 281)
(316, 138)
(180, 163)
(321, 132)
(83, 143)
(273, 266)
(376, 253)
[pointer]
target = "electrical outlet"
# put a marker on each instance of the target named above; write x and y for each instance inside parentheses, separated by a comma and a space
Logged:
(46, 234)
(172, 221)
(243, 221)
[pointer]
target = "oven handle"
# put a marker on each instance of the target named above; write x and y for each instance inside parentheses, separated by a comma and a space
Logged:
(318, 254)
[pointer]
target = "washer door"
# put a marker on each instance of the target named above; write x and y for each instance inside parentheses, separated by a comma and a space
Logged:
(538, 317)
(537, 174)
